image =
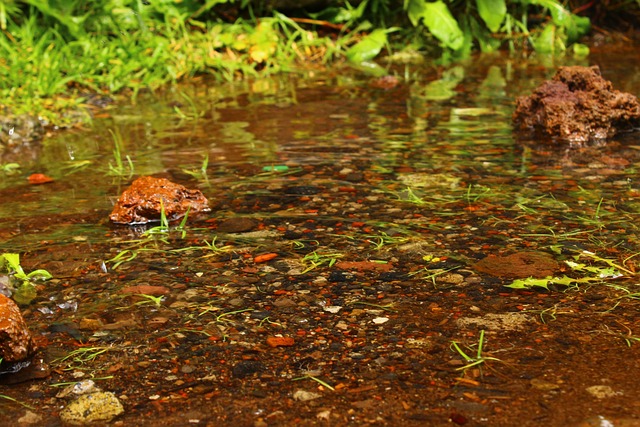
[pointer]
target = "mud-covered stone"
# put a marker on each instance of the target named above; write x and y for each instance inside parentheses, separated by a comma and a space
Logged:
(144, 200)
(519, 265)
(16, 343)
(577, 105)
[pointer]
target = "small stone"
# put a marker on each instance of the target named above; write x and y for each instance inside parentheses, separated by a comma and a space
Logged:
(92, 408)
(280, 342)
(30, 418)
(79, 388)
(237, 225)
(303, 395)
(187, 369)
(602, 391)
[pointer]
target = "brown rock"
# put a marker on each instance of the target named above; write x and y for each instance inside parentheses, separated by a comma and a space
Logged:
(518, 266)
(237, 225)
(280, 342)
(15, 339)
(577, 105)
(143, 201)
(146, 290)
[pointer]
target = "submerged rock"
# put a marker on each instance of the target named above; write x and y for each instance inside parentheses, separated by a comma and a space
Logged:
(519, 265)
(147, 196)
(577, 105)
(16, 343)
(96, 407)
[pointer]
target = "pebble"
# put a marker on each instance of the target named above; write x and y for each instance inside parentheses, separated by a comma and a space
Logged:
(303, 395)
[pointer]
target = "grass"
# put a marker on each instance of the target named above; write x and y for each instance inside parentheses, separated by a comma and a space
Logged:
(316, 379)
(81, 356)
(315, 260)
(122, 168)
(11, 399)
(479, 358)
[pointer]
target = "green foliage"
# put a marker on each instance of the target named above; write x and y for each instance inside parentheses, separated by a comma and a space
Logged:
(25, 292)
(438, 19)
(51, 48)
(589, 274)
(492, 12)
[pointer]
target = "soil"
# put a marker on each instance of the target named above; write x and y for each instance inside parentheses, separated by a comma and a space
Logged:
(338, 278)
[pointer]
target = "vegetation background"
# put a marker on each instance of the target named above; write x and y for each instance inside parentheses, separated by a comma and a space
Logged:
(55, 54)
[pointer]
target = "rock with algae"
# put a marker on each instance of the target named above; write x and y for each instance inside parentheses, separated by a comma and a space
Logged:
(95, 407)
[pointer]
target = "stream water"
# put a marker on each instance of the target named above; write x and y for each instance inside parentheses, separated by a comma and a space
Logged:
(373, 205)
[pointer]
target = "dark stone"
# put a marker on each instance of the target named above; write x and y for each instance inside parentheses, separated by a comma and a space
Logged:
(245, 368)
(577, 105)
(237, 225)
(302, 190)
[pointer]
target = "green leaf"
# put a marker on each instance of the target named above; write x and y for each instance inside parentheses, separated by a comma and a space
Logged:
(548, 40)
(438, 20)
(443, 89)
(492, 13)
(580, 50)
(574, 25)
(367, 48)
(13, 260)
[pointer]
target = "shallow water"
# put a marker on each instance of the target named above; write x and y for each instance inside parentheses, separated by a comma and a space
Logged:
(426, 177)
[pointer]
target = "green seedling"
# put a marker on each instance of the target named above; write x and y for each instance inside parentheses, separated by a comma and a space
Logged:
(411, 197)
(11, 399)
(472, 196)
(386, 307)
(119, 168)
(269, 321)
(471, 361)
(163, 228)
(219, 318)
(68, 383)
(26, 292)
(11, 263)
(194, 115)
(182, 227)
(316, 379)
(151, 299)
(315, 260)
(383, 239)
(629, 338)
(122, 257)
(200, 174)
(9, 168)
(82, 356)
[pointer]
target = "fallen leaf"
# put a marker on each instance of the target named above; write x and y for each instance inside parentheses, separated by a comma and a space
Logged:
(264, 257)
(39, 178)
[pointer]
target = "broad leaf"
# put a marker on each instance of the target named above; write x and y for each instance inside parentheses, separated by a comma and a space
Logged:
(492, 13)
(367, 48)
(438, 20)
